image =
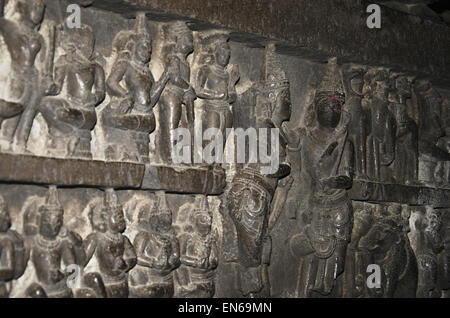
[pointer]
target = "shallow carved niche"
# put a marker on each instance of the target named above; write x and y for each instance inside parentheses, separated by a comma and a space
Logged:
(13, 256)
(128, 119)
(51, 245)
(433, 135)
(214, 81)
(65, 92)
(111, 249)
(198, 251)
(427, 244)
(386, 243)
(157, 249)
(326, 172)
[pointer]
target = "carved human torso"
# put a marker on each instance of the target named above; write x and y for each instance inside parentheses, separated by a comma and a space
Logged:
(139, 82)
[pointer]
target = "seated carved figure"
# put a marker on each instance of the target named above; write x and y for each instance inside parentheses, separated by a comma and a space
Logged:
(387, 245)
(52, 245)
(128, 120)
(13, 255)
(25, 85)
(113, 251)
(158, 253)
(71, 115)
(198, 255)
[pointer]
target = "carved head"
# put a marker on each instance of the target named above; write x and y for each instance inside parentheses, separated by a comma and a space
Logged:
(33, 11)
(201, 218)
(79, 40)
(98, 219)
(222, 54)
(52, 215)
(183, 37)
(156, 217)
(330, 97)
(5, 220)
(382, 84)
(356, 80)
(277, 86)
(114, 211)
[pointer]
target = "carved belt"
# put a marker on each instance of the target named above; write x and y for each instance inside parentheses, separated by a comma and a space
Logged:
(218, 106)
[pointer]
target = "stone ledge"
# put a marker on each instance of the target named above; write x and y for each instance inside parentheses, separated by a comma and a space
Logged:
(28, 169)
(412, 195)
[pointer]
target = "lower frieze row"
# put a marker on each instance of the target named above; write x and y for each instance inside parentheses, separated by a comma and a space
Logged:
(86, 242)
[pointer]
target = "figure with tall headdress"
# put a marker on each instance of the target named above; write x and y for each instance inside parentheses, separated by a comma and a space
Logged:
(326, 174)
(14, 254)
(128, 120)
(254, 194)
(113, 251)
(158, 252)
(79, 86)
(50, 247)
(198, 252)
(215, 83)
(178, 91)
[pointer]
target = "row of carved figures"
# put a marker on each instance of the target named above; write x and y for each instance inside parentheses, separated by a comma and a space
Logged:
(62, 260)
(398, 127)
(388, 142)
(67, 91)
(411, 245)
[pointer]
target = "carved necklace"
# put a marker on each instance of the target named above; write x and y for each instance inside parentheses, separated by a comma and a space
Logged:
(47, 244)
(113, 237)
(141, 69)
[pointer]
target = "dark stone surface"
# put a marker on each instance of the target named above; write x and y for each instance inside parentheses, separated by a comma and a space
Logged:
(316, 29)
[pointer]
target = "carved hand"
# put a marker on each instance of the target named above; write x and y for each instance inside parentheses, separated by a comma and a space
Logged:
(119, 265)
(338, 182)
(126, 105)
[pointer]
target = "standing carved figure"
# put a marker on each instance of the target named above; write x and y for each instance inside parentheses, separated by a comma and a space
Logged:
(358, 129)
(128, 120)
(178, 91)
(327, 173)
(431, 129)
(50, 247)
(215, 83)
(427, 244)
(71, 115)
(113, 251)
(158, 252)
(25, 86)
(406, 162)
(198, 254)
(381, 140)
(253, 192)
(13, 254)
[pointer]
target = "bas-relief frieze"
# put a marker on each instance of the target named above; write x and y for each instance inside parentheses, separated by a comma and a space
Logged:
(362, 177)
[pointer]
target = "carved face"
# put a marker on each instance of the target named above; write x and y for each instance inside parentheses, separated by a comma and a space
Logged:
(185, 43)
(283, 108)
(329, 109)
(33, 10)
(5, 220)
(382, 90)
(403, 86)
(356, 83)
(379, 238)
(143, 51)
(160, 222)
(98, 220)
(222, 54)
(116, 220)
(51, 222)
(203, 223)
